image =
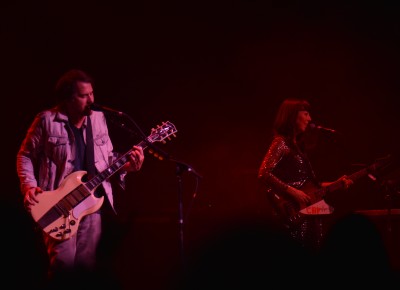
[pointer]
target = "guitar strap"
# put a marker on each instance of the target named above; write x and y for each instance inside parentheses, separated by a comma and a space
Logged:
(91, 169)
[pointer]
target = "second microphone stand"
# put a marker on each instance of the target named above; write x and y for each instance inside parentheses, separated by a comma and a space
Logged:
(181, 168)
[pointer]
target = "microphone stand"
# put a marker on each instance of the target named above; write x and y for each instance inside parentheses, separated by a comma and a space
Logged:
(179, 171)
(180, 168)
(389, 193)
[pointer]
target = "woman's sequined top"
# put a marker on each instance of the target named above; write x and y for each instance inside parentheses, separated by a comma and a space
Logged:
(284, 165)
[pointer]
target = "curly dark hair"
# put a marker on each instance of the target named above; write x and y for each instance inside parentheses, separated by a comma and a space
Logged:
(66, 84)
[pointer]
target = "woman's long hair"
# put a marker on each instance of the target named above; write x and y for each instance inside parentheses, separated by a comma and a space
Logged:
(285, 120)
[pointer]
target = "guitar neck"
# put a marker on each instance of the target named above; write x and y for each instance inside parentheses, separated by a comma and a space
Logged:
(112, 169)
(157, 135)
(354, 177)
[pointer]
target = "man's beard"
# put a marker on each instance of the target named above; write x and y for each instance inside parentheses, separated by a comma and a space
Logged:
(87, 111)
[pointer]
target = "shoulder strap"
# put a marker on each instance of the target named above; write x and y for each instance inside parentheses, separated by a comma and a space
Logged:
(91, 169)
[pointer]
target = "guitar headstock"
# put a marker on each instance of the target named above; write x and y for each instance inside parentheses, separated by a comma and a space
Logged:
(159, 134)
(162, 132)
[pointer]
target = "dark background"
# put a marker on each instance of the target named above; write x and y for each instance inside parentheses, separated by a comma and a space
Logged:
(218, 71)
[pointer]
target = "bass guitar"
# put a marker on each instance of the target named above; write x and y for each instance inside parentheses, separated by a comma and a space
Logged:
(293, 213)
(59, 212)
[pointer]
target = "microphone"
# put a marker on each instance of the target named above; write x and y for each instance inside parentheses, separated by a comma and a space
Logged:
(97, 107)
(313, 126)
(191, 169)
(183, 166)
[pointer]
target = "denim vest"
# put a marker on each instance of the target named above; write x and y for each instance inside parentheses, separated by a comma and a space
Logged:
(46, 156)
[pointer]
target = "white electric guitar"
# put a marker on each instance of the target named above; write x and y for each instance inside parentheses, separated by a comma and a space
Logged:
(59, 211)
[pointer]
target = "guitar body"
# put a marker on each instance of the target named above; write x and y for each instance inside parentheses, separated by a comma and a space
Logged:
(57, 215)
(291, 212)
